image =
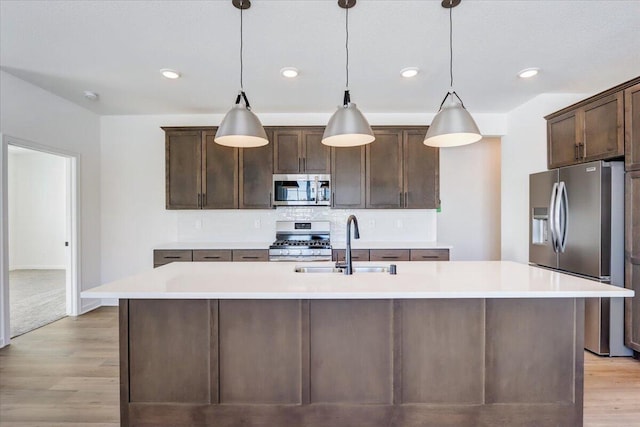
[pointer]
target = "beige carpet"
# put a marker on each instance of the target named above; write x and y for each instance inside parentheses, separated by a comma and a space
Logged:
(36, 298)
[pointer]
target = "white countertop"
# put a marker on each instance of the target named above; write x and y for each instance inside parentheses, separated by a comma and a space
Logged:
(356, 244)
(277, 280)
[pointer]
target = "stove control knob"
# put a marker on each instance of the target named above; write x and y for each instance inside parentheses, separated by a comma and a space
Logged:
(284, 252)
(316, 252)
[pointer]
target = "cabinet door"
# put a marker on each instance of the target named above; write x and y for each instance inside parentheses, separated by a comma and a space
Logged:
(287, 155)
(356, 255)
(562, 144)
(166, 256)
(348, 177)
(632, 260)
(429, 254)
(219, 174)
(183, 156)
(316, 157)
(256, 176)
(421, 172)
(632, 127)
(250, 255)
(603, 136)
(384, 170)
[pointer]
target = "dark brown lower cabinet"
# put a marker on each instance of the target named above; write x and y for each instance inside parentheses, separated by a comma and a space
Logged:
(345, 363)
(632, 261)
(250, 255)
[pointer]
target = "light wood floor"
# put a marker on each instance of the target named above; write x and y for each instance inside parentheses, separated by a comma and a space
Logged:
(66, 374)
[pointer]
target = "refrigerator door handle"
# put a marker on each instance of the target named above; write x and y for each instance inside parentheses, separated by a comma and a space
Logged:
(552, 222)
(563, 209)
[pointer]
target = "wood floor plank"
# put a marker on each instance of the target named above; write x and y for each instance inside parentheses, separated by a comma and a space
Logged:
(66, 374)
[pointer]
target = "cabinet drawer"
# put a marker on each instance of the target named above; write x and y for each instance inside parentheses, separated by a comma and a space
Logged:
(356, 254)
(389, 255)
(251, 255)
(212, 255)
(429, 254)
(161, 257)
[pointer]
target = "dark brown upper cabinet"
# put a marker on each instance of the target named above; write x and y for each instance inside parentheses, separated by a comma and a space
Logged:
(183, 168)
(402, 172)
(300, 150)
(587, 131)
(384, 170)
(348, 177)
(219, 174)
(421, 171)
(256, 176)
(632, 127)
(201, 174)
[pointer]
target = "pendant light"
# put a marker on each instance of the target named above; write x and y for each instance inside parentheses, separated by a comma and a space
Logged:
(453, 125)
(241, 127)
(347, 127)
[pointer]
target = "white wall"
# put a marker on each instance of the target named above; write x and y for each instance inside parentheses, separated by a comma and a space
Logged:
(470, 200)
(134, 219)
(524, 151)
(37, 210)
(33, 114)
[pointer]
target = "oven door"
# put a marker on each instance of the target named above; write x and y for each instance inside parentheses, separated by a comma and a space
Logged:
(301, 190)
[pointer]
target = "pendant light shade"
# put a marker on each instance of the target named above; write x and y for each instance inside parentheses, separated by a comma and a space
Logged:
(347, 127)
(241, 127)
(452, 126)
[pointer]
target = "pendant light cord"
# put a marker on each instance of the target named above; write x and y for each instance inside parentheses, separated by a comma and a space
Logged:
(346, 45)
(241, 46)
(451, 46)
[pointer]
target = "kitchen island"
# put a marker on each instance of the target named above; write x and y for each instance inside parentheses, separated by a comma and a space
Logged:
(439, 343)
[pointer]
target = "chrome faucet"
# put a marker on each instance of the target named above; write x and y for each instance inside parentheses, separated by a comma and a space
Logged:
(356, 235)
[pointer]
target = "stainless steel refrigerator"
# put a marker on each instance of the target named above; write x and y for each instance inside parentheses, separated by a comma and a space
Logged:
(576, 226)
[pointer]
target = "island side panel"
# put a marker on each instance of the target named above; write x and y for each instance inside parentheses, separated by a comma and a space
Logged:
(123, 338)
(260, 350)
(383, 345)
(351, 351)
(169, 351)
(450, 335)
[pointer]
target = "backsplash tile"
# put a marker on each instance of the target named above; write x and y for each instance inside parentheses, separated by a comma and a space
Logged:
(259, 225)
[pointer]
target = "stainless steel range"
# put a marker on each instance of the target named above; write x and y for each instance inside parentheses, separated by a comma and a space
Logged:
(301, 241)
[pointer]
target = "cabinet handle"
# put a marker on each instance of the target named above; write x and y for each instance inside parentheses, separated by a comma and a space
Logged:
(299, 164)
(212, 257)
(250, 257)
(204, 199)
(430, 256)
(199, 198)
(406, 199)
(584, 153)
(390, 257)
(400, 199)
(333, 199)
(172, 257)
(575, 152)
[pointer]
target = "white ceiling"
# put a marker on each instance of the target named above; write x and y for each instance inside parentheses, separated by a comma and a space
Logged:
(116, 48)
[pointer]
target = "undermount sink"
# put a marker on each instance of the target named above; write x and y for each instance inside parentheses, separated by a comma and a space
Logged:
(333, 269)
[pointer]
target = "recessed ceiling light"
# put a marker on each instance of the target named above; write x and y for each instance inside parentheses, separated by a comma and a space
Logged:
(92, 96)
(409, 72)
(289, 72)
(528, 73)
(170, 74)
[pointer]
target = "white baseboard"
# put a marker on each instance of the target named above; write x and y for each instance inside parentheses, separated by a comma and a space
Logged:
(110, 302)
(89, 305)
(37, 267)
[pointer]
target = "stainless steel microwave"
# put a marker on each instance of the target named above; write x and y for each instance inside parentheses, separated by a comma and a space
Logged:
(301, 190)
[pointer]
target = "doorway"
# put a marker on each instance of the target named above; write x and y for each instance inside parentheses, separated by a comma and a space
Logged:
(40, 278)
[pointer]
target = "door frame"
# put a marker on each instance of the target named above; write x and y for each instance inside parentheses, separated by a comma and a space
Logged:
(72, 229)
